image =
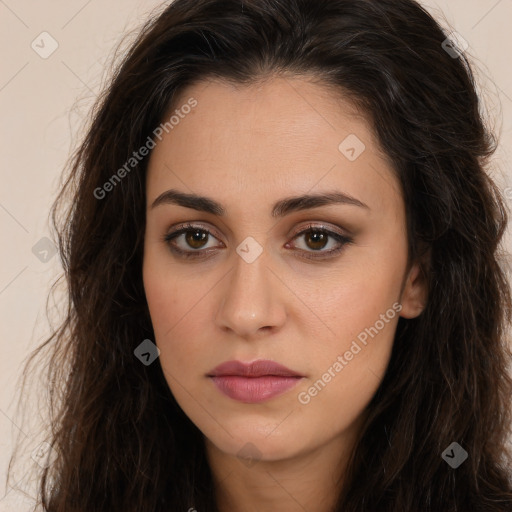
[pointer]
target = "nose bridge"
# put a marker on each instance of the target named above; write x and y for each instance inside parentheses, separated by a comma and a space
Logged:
(251, 298)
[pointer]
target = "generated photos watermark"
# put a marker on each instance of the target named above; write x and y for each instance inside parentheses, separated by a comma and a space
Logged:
(304, 397)
(143, 151)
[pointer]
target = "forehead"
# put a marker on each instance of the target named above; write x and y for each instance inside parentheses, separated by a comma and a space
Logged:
(294, 110)
(274, 136)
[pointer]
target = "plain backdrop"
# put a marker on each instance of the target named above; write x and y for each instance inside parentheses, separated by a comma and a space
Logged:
(44, 100)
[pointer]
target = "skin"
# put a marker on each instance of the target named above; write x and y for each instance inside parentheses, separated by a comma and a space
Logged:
(247, 147)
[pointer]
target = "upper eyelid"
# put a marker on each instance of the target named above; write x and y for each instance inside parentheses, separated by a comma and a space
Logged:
(342, 240)
(183, 228)
(311, 226)
(318, 225)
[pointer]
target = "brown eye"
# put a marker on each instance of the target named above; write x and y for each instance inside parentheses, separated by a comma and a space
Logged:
(190, 241)
(316, 240)
(196, 238)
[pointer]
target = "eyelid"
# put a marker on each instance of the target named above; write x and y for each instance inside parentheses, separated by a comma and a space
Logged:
(186, 226)
(341, 238)
(320, 226)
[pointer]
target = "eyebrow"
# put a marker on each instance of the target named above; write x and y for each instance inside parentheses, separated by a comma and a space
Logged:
(280, 209)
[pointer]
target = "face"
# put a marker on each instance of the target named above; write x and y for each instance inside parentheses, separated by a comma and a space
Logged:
(316, 286)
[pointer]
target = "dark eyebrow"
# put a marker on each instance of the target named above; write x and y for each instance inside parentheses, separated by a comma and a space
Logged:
(280, 209)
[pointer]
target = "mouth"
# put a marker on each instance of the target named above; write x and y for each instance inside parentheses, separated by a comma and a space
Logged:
(253, 382)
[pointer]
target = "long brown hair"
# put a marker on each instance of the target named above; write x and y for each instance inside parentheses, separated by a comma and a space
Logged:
(123, 442)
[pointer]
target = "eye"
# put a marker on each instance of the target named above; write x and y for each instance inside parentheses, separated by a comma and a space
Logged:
(191, 241)
(191, 236)
(319, 237)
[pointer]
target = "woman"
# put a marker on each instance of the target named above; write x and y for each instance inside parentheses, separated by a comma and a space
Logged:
(283, 277)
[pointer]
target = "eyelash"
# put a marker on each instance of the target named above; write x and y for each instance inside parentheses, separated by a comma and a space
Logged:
(201, 253)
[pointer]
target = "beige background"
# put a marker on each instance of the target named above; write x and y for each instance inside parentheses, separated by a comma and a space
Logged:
(44, 100)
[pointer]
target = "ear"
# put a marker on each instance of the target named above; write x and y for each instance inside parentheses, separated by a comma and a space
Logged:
(415, 292)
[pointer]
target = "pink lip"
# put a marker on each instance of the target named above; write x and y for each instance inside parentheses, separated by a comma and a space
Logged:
(253, 382)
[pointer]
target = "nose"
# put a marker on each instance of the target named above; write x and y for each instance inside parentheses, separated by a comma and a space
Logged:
(252, 299)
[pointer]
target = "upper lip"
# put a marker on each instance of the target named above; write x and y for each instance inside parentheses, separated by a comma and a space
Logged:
(258, 368)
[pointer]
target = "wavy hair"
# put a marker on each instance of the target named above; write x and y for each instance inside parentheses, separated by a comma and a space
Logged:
(123, 443)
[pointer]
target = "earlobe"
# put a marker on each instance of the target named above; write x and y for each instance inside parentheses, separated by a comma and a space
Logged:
(415, 293)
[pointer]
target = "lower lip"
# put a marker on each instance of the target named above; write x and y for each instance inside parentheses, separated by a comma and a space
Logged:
(254, 389)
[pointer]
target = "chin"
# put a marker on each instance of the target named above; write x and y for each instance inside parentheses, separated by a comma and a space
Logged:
(252, 447)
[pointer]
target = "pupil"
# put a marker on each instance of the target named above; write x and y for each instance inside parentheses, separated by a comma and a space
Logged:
(196, 238)
(318, 238)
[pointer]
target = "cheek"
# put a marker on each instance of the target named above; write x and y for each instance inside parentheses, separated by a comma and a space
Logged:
(177, 307)
(169, 294)
(347, 370)
(361, 311)
(354, 301)
(362, 335)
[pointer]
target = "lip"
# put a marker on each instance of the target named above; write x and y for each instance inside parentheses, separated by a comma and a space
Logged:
(259, 368)
(253, 382)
